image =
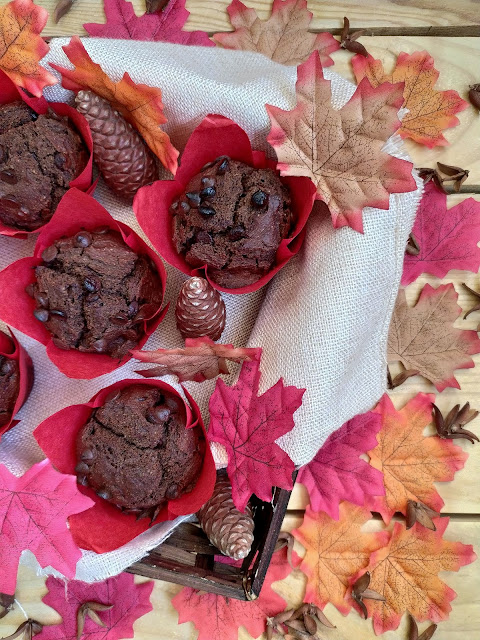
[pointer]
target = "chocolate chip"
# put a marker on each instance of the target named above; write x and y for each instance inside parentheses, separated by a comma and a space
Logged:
(208, 165)
(41, 314)
(88, 454)
(223, 167)
(83, 239)
(206, 211)
(203, 237)
(92, 297)
(82, 468)
(174, 206)
(172, 492)
(133, 308)
(101, 230)
(207, 182)
(158, 415)
(260, 199)
(10, 206)
(59, 160)
(3, 154)
(56, 312)
(30, 290)
(185, 206)
(130, 334)
(208, 193)
(8, 176)
(172, 404)
(236, 233)
(42, 300)
(50, 253)
(100, 346)
(82, 480)
(193, 198)
(120, 319)
(7, 367)
(103, 493)
(91, 284)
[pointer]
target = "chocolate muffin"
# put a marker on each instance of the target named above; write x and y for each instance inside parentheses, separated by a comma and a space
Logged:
(39, 156)
(9, 384)
(136, 452)
(232, 217)
(94, 293)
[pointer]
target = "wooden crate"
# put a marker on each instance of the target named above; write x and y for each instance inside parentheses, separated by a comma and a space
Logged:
(188, 558)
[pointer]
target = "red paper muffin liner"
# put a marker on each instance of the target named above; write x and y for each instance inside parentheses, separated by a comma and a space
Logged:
(104, 527)
(76, 211)
(11, 348)
(214, 137)
(9, 92)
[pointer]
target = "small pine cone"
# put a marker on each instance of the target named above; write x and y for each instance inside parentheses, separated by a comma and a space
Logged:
(230, 530)
(200, 310)
(123, 158)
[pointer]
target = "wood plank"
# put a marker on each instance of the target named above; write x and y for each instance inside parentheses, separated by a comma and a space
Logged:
(423, 15)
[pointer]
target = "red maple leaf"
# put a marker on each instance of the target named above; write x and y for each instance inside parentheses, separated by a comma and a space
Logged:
(219, 618)
(162, 26)
(248, 425)
(447, 238)
(338, 473)
(130, 601)
(33, 515)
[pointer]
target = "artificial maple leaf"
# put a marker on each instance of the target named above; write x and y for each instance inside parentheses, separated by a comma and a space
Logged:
(405, 572)
(248, 425)
(284, 37)
(337, 473)
(21, 47)
(202, 359)
(140, 104)
(130, 601)
(335, 551)
(164, 25)
(340, 150)
(33, 515)
(423, 337)
(447, 239)
(219, 618)
(411, 462)
(430, 111)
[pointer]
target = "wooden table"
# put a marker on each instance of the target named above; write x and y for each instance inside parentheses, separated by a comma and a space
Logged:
(450, 32)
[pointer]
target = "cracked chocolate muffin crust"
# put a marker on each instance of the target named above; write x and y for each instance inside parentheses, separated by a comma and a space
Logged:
(232, 217)
(9, 385)
(136, 452)
(39, 156)
(93, 293)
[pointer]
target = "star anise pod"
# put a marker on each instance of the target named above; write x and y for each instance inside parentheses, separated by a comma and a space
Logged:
(26, 630)
(156, 6)
(426, 635)
(476, 295)
(412, 248)
(90, 609)
(474, 95)
(348, 40)
(286, 539)
(6, 603)
(399, 379)
(451, 427)
(62, 8)
(419, 512)
(360, 591)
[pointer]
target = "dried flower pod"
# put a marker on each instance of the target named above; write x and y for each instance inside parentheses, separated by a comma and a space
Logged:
(61, 9)
(348, 40)
(156, 6)
(123, 158)
(230, 530)
(200, 310)
(474, 95)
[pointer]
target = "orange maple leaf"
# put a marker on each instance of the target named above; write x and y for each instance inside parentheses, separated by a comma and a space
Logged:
(411, 462)
(284, 37)
(139, 104)
(405, 572)
(21, 47)
(430, 111)
(335, 551)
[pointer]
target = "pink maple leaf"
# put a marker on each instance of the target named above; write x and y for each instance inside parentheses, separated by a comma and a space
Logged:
(219, 618)
(337, 472)
(33, 515)
(163, 26)
(447, 238)
(130, 601)
(248, 425)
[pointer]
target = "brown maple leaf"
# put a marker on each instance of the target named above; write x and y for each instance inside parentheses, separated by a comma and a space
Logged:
(341, 150)
(202, 359)
(423, 337)
(284, 37)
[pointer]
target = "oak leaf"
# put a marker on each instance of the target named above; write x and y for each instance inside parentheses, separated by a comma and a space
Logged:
(219, 618)
(447, 239)
(130, 601)
(283, 37)
(139, 104)
(21, 47)
(410, 462)
(164, 25)
(338, 473)
(430, 111)
(405, 572)
(248, 425)
(340, 150)
(335, 551)
(33, 515)
(423, 337)
(202, 359)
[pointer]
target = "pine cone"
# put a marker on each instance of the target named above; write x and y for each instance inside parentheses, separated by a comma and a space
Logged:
(200, 310)
(123, 158)
(230, 530)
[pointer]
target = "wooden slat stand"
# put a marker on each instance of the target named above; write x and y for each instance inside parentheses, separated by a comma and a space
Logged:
(188, 558)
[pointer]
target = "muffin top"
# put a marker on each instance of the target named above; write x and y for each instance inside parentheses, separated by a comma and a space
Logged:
(136, 452)
(39, 156)
(232, 217)
(93, 293)
(9, 385)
